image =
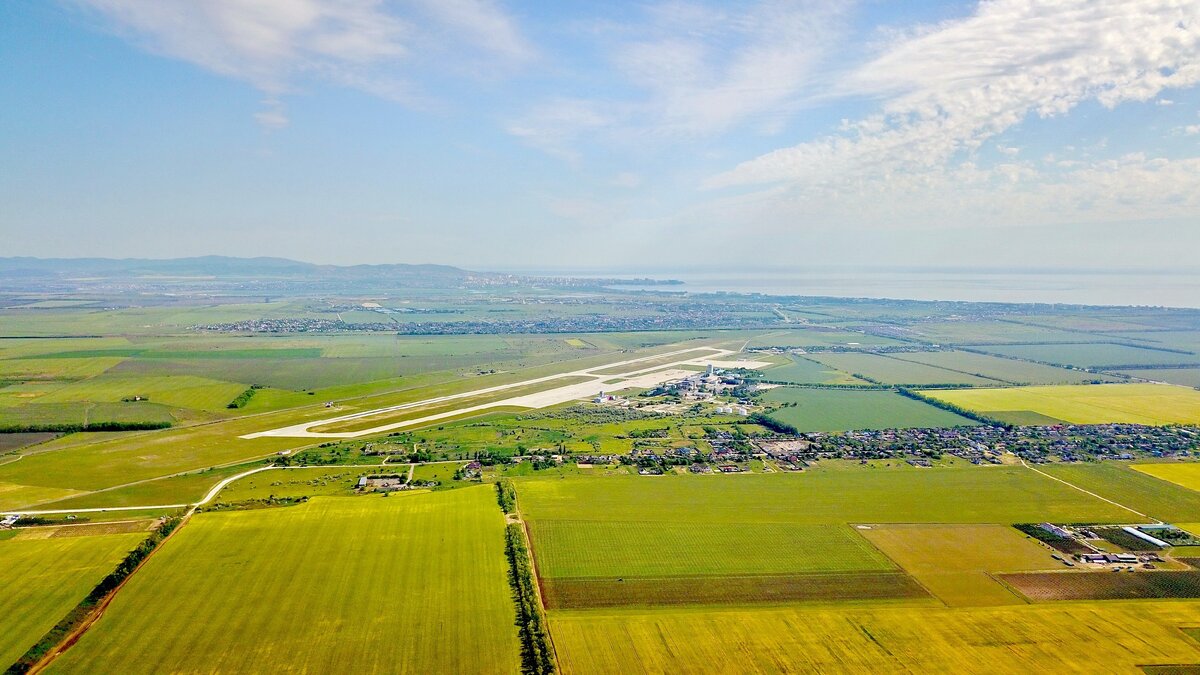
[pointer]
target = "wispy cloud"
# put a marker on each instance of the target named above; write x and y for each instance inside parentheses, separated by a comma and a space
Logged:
(690, 69)
(279, 45)
(948, 88)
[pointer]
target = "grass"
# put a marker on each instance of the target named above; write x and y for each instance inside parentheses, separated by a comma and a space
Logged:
(970, 494)
(184, 489)
(180, 391)
(1086, 404)
(300, 482)
(84, 413)
(890, 370)
(1138, 486)
(814, 337)
(1084, 637)
(588, 548)
(1187, 377)
(1185, 474)
(845, 410)
(955, 561)
(800, 370)
(1095, 355)
(994, 367)
(411, 583)
(591, 593)
(45, 578)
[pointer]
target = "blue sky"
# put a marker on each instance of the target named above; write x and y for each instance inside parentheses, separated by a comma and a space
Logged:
(604, 135)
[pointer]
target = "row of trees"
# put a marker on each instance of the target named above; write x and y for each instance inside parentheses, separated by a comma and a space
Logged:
(80, 613)
(536, 655)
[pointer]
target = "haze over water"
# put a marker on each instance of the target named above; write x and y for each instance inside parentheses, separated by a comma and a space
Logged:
(1169, 289)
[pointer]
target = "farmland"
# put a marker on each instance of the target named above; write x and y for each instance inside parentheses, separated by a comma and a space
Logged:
(420, 588)
(1093, 355)
(1143, 487)
(883, 548)
(844, 410)
(996, 368)
(801, 370)
(1187, 377)
(999, 495)
(1187, 475)
(1119, 638)
(888, 370)
(955, 562)
(44, 578)
(1133, 403)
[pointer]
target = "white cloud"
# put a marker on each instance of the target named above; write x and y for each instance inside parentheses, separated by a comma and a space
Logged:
(950, 87)
(695, 70)
(277, 45)
(555, 125)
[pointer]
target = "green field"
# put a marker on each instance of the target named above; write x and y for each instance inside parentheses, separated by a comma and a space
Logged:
(994, 367)
(412, 583)
(801, 370)
(994, 494)
(1095, 355)
(1135, 487)
(845, 410)
(587, 548)
(1086, 404)
(817, 337)
(46, 578)
(890, 370)
(1187, 377)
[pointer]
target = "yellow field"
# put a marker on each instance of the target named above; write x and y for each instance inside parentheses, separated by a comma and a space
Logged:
(1187, 475)
(1086, 404)
(953, 561)
(1110, 637)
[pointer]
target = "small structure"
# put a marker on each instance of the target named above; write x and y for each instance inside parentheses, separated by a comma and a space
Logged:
(10, 520)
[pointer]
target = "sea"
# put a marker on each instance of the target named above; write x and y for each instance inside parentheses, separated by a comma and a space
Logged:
(1122, 288)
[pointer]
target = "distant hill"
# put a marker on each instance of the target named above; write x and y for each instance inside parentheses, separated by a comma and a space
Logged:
(216, 266)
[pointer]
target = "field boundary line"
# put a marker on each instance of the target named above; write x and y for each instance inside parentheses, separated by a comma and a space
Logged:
(98, 611)
(537, 585)
(1089, 492)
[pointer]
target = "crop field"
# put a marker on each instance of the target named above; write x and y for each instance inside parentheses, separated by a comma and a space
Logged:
(1086, 404)
(1187, 377)
(994, 367)
(1095, 355)
(183, 489)
(584, 548)
(1119, 637)
(1138, 486)
(955, 562)
(294, 482)
(731, 589)
(1044, 586)
(420, 587)
(800, 370)
(184, 391)
(1185, 474)
(45, 577)
(845, 410)
(41, 414)
(890, 370)
(812, 337)
(992, 332)
(995, 494)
